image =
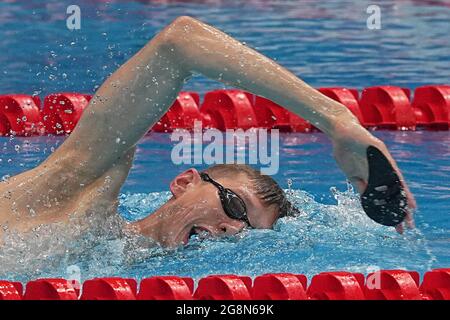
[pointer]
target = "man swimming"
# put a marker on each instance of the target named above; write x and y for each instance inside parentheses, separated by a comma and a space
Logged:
(89, 168)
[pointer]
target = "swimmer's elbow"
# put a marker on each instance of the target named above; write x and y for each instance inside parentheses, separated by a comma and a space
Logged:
(180, 30)
(184, 21)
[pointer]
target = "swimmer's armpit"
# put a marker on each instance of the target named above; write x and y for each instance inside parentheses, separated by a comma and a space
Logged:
(384, 199)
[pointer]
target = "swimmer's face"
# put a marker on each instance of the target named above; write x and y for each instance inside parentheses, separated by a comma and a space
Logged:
(199, 209)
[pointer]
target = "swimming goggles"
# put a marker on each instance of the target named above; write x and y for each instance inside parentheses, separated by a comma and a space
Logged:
(232, 204)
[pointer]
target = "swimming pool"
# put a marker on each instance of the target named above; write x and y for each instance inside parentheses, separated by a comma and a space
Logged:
(328, 45)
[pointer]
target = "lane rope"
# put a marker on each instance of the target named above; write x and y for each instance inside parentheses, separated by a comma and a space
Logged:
(336, 285)
(379, 107)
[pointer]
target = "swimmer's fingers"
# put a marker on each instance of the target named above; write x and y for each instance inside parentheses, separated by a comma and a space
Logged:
(409, 196)
(399, 228)
(360, 184)
(409, 219)
(408, 222)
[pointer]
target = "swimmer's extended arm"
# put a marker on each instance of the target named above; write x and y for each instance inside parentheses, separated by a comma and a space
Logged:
(140, 92)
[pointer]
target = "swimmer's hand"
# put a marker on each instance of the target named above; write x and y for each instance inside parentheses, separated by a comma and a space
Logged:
(358, 153)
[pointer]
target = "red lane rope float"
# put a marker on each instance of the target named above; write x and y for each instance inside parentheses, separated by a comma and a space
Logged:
(62, 111)
(283, 286)
(10, 290)
(348, 97)
(380, 107)
(181, 115)
(436, 284)
(109, 289)
(393, 285)
(166, 288)
(50, 289)
(387, 107)
(19, 114)
(231, 109)
(431, 107)
(381, 285)
(337, 286)
(272, 115)
(224, 287)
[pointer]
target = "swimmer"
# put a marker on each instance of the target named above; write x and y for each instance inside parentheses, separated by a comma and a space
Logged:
(89, 168)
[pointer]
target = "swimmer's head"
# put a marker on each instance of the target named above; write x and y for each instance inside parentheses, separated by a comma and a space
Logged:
(197, 208)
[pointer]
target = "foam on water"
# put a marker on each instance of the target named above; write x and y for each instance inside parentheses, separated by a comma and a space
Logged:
(321, 237)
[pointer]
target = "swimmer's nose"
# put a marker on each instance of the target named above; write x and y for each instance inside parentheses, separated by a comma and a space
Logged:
(231, 228)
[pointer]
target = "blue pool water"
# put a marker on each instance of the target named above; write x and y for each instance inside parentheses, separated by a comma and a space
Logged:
(330, 235)
(326, 44)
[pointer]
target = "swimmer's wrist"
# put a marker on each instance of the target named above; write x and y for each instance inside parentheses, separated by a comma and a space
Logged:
(340, 123)
(330, 116)
(347, 129)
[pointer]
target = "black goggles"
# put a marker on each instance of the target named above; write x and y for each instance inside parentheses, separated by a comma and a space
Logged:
(232, 204)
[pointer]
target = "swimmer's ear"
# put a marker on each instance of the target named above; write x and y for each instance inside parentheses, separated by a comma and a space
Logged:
(183, 181)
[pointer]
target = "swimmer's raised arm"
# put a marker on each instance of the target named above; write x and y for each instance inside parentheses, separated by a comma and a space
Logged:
(141, 91)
